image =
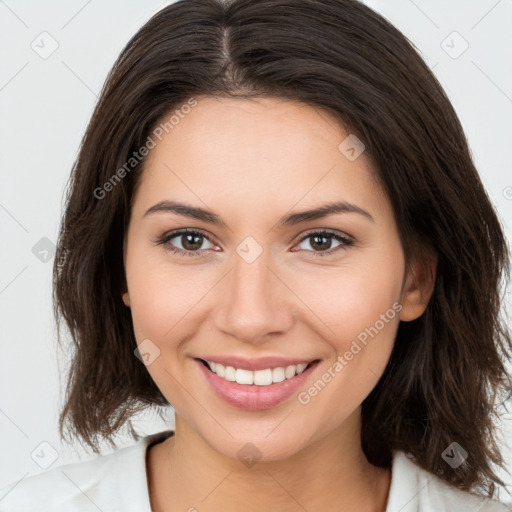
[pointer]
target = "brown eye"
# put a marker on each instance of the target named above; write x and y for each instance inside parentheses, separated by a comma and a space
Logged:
(187, 242)
(191, 242)
(322, 241)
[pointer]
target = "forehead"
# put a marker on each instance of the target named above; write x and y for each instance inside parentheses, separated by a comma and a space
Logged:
(259, 151)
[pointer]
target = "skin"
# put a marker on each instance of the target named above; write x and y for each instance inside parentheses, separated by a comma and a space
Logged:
(251, 162)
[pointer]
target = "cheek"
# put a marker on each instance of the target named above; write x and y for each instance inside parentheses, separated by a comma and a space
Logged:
(359, 303)
(162, 302)
(363, 317)
(345, 301)
(162, 294)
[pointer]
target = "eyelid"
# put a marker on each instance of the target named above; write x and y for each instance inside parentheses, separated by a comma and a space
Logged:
(166, 237)
(345, 240)
(333, 232)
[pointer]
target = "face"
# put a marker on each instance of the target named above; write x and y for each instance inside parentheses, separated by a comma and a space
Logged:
(262, 288)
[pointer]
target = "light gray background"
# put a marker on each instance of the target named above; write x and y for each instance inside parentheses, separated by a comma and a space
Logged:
(45, 105)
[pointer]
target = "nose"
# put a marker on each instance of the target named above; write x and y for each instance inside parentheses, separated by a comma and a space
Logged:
(253, 302)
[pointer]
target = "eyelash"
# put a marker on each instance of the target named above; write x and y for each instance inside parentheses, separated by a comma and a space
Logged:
(346, 241)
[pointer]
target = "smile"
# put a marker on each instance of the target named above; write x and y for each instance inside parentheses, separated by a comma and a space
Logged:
(264, 377)
(263, 387)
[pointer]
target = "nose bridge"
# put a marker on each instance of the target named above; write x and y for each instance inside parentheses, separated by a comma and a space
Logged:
(254, 301)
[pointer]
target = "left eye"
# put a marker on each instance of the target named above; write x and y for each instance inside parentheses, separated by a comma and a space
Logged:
(321, 239)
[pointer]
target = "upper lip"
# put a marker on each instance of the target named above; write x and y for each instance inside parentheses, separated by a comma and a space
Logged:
(261, 363)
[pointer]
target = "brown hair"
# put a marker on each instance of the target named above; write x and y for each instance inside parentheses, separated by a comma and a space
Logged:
(446, 372)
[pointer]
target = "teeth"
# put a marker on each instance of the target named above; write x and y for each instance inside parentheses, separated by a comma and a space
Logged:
(220, 370)
(259, 377)
(301, 368)
(289, 372)
(278, 375)
(263, 377)
(230, 373)
(244, 376)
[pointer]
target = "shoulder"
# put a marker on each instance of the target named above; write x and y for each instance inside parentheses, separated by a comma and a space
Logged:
(112, 482)
(414, 489)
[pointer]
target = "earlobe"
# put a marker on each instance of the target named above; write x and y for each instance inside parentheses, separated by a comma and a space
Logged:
(418, 288)
(126, 299)
(413, 306)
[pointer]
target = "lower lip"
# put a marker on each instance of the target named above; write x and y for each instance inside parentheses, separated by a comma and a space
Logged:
(252, 397)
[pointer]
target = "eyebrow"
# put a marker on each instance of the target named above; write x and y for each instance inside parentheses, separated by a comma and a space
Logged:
(292, 219)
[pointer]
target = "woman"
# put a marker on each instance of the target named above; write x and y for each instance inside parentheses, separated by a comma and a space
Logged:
(275, 226)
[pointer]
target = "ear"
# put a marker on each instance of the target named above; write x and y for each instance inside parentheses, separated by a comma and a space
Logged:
(125, 296)
(126, 299)
(417, 289)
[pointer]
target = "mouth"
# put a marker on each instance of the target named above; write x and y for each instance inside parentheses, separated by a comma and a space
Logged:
(263, 377)
(255, 390)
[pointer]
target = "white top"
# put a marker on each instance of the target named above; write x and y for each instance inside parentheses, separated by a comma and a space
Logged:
(117, 482)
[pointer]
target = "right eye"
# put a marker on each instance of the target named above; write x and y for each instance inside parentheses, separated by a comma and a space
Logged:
(189, 239)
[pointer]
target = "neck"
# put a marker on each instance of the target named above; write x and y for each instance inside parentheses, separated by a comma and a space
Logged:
(186, 473)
